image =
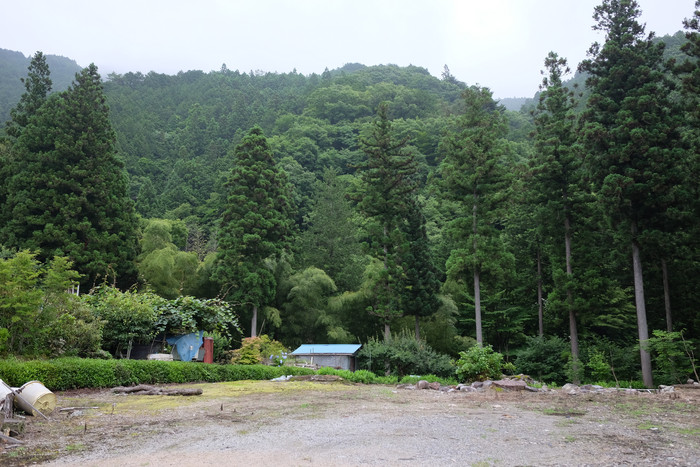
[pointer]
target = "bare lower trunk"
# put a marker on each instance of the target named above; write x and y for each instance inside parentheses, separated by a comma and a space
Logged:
(254, 322)
(573, 330)
(387, 329)
(477, 278)
(667, 296)
(641, 311)
(540, 307)
(477, 306)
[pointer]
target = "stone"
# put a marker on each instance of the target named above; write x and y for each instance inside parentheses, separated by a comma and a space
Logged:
(664, 388)
(511, 384)
(422, 384)
(434, 386)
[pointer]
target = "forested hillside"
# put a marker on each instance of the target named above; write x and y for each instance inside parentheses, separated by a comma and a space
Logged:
(371, 201)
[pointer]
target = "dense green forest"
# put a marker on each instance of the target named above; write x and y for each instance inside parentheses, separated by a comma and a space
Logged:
(370, 201)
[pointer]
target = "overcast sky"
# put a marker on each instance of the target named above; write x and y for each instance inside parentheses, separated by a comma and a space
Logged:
(500, 44)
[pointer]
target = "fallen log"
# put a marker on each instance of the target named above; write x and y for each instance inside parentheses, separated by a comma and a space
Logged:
(71, 409)
(147, 390)
(10, 439)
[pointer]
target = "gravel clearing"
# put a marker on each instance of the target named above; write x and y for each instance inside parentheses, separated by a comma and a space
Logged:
(338, 424)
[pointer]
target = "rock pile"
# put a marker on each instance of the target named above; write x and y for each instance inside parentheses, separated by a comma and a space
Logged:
(525, 383)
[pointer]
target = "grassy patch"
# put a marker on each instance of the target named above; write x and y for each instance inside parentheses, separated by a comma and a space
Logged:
(75, 447)
(215, 392)
(632, 409)
(648, 426)
(564, 411)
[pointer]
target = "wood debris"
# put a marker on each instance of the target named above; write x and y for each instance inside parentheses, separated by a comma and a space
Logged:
(147, 390)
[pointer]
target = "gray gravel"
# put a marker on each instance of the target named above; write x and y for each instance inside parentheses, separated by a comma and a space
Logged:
(373, 425)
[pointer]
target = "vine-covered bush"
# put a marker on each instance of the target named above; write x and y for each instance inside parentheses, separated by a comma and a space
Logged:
(403, 355)
(184, 315)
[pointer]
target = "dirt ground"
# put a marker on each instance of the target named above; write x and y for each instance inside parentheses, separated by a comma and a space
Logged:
(338, 424)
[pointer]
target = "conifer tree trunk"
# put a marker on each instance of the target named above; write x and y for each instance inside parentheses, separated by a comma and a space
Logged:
(477, 278)
(540, 307)
(667, 296)
(641, 310)
(254, 322)
(573, 330)
(477, 306)
(387, 326)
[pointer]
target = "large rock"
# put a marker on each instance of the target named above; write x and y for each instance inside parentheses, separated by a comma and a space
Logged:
(422, 384)
(510, 384)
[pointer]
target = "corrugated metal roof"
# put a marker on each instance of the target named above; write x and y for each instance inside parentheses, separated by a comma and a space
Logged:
(335, 349)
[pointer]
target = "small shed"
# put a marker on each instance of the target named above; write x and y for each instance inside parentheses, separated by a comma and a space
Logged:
(341, 356)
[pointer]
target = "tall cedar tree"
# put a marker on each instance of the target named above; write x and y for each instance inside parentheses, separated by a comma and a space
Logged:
(474, 178)
(37, 86)
(629, 135)
(689, 73)
(330, 241)
(67, 193)
(388, 184)
(257, 225)
(555, 169)
(421, 287)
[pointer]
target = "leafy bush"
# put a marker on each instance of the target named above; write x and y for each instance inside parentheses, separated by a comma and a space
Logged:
(674, 358)
(403, 355)
(129, 316)
(545, 359)
(76, 332)
(184, 315)
(37, 315)
(479, 364)
(598, 366)
(255, 350)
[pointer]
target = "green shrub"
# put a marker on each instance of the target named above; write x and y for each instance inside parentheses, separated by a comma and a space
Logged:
(255, 350)
(544, 359)
(598, 366)
(674, 356)
(479, 364)
(128, 316)
(403, 355)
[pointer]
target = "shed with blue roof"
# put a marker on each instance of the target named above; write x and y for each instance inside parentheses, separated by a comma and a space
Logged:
(340, 356)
